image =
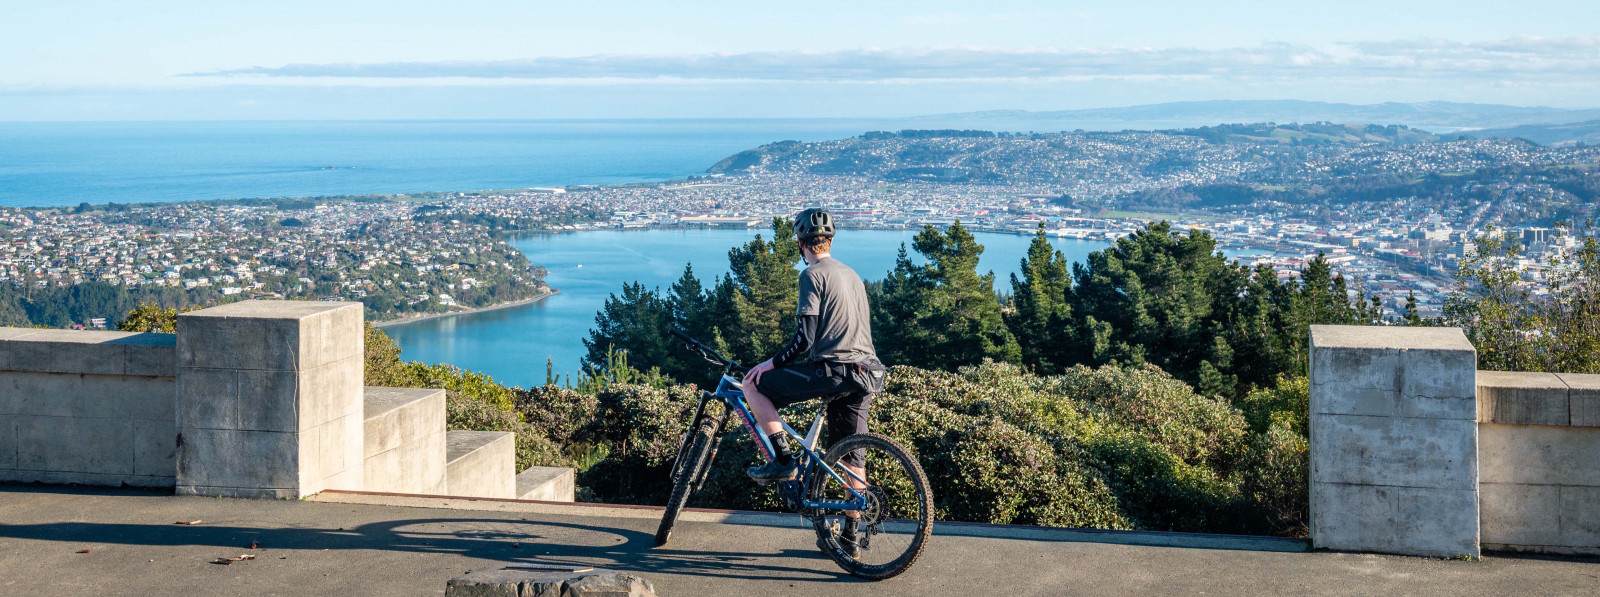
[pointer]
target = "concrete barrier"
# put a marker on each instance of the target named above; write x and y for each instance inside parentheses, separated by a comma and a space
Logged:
(547, 484)
(269, 399)
(250, 399)
(1413, 451)
(405, 440)
(90, 407)
(1540, 471)
(1394, 432)
(481, 464)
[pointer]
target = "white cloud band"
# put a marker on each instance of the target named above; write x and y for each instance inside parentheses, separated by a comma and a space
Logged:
(1514, 59)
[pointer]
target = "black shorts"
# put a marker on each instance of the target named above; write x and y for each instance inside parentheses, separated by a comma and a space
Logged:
(799, 382)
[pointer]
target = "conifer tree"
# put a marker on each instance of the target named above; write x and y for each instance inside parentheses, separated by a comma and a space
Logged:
(942, 314)
(686, 300)
(765, 293)
(635, 322)
(1151, 298)
(1039, 316)
(1412, 317)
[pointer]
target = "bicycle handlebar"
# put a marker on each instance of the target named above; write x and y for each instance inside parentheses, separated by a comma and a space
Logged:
(705, 351)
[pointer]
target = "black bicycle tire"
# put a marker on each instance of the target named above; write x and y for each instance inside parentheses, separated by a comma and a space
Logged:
(684, 478)
(914, 469)
(716, 443)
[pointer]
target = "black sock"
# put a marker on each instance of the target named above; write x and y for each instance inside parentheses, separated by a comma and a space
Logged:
(780, 446)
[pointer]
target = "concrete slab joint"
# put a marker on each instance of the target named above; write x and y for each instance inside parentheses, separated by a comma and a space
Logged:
(269, 399)
(1394, 440)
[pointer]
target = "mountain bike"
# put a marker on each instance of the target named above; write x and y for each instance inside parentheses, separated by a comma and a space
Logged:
(893, 504)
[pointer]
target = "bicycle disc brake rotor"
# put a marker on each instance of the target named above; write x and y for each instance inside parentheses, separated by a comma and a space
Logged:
(876, 509)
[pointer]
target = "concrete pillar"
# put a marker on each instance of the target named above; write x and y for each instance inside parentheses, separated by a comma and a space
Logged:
(269, 399)
(1394, 440)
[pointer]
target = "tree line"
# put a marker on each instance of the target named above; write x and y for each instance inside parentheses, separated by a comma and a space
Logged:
(1159, 296)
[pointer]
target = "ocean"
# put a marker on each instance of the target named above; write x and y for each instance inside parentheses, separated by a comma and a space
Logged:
(67, 163)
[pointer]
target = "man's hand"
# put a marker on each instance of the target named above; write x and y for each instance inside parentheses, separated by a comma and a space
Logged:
(753, 376)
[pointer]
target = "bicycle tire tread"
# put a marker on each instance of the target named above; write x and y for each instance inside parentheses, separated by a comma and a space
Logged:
(925, 531)
(682, 488)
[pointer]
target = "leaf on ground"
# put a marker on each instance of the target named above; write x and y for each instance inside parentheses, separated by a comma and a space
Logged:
(230, 561)
(188, 522)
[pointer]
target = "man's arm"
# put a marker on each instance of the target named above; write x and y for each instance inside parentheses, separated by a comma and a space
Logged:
(804, 335)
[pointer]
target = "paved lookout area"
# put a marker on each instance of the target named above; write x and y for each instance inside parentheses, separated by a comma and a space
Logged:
(317, 548)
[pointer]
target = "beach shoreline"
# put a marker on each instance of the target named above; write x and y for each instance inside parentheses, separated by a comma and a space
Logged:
(410, 320)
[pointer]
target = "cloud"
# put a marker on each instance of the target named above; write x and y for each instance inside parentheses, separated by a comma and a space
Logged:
(1512, 59)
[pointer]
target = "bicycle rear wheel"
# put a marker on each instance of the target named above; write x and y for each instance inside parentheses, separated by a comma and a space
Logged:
(690, 466)
(898, 520)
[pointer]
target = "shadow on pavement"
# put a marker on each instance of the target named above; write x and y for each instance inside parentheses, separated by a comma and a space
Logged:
(498, 539)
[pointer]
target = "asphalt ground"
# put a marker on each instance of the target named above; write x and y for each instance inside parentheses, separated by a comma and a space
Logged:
(73, 541)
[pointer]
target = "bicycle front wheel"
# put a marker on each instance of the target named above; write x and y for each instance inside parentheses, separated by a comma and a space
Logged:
(690, 465)
(898, 518)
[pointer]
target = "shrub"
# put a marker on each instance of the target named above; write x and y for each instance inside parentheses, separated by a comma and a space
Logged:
(642, 426)
(1108, 447)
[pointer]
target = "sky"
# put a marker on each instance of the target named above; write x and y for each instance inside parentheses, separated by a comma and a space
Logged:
(288, 59)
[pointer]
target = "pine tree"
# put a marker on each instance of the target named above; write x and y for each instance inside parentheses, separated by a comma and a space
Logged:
(686, 301)
(635, 322)
(1412, 318)
(1039, 318)
(943, 314)
(765, 293)
(1152, 297)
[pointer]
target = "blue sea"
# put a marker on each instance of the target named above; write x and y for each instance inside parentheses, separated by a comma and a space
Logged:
(67, 163)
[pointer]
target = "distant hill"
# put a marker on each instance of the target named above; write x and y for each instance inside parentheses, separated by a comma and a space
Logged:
(1545, 134)
(978, 156)
(1431, 116)
(1264, 168)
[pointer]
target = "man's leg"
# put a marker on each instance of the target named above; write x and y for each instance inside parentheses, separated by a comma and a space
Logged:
(778, 388)
(766, 414)
(846, 417)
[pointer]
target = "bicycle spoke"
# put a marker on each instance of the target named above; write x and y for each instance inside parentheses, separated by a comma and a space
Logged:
(891, 528)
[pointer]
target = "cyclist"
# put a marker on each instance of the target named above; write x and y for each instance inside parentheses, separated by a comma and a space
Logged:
(831, 354)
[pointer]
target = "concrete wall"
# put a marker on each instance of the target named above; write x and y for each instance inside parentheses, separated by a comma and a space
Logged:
(1539, 445)
(269, 399)
(1413, 451)
(1394, 464)
(87, 407)
(256, 399)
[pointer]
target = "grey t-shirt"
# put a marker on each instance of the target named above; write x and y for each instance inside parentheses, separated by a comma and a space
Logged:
(834, 293)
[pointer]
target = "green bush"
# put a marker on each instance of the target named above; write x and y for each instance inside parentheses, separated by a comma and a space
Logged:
(1105, 448)
(1108, 447)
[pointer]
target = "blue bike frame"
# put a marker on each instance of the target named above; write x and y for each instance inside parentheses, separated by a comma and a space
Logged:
(731, 392)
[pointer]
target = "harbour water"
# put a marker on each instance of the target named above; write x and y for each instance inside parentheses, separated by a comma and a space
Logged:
(513, 344)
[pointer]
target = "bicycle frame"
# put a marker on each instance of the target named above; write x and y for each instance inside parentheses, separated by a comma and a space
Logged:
(731, 392)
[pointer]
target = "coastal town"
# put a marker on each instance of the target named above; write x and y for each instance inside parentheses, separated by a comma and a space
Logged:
(196, 254)
(445, 252)
(1391, 246)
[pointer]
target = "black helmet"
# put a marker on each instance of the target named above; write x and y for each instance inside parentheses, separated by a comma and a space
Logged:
(813, 222)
